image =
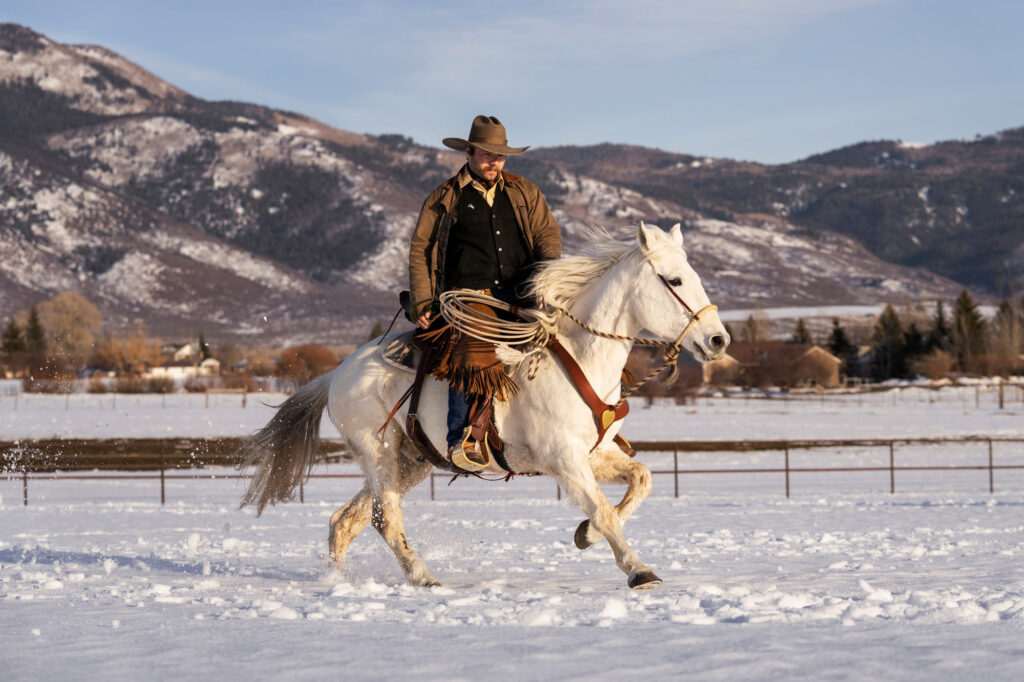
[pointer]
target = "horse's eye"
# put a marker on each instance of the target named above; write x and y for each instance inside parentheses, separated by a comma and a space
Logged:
(675, 281)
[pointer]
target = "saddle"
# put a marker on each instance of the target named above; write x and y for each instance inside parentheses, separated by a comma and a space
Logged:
(414, 351)
(401, 353)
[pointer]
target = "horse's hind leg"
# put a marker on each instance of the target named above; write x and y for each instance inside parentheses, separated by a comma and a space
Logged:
(390, 475)
(612, 465)
(352, 519)
(347, 523)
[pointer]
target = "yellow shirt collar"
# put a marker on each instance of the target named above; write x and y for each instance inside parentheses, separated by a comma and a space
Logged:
(487, 192)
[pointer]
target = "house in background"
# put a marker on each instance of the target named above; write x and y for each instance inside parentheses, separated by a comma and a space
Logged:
(184, 352)
(775, 363)
(184, 369)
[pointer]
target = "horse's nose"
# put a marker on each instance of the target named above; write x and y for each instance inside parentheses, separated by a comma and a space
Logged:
(717, 341)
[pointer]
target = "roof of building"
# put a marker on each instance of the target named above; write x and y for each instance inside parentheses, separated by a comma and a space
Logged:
(775, 352)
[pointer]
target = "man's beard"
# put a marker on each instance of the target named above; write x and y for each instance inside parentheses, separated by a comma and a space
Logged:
(484, 180)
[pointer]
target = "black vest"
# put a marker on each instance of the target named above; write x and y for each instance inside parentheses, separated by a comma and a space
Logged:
(485, 248)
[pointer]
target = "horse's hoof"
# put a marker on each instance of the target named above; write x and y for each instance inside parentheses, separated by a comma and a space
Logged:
(427, 580)
(580, 538)
(643, 580)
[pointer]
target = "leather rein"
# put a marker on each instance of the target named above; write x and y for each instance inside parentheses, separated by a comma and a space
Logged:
(604, 414)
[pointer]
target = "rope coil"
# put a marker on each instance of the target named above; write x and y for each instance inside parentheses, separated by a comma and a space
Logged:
(456, 310)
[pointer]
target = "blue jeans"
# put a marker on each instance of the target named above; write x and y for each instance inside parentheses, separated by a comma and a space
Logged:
(458, 415)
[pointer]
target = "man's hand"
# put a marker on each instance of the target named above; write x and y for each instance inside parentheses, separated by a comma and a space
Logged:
(424, 320)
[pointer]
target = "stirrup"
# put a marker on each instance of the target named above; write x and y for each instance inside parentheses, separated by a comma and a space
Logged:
(460, 459)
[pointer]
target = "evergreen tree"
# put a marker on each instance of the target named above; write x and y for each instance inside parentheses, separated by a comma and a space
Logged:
(13, 341)
(940, 336)
(838, 342)
(800, 333)
(35, 336)
(887, 357)
(968, 331)
(914, 344)
(204, 348)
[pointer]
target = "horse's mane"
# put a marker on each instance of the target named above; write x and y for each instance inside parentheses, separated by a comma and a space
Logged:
(557, 283)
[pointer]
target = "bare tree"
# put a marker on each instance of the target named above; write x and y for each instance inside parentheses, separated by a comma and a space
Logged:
(757, 327)
(1007, 336)
(229, 354)
(72, 325)
(936, 364)
(303, 363)
(131, 353)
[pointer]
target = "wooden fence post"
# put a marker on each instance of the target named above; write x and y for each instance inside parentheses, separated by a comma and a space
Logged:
(787, 470)
(892, 470)
(163, 466)
(991, 477)
(675, 468)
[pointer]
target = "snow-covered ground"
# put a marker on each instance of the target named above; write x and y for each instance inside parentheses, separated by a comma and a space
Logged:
(98, 581)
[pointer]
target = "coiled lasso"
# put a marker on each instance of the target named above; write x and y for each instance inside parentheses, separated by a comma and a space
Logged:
(529, 333)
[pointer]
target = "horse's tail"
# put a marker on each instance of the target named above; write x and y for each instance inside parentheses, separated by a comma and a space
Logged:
(284, 450)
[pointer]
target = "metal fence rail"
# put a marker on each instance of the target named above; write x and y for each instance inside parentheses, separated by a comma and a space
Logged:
(786, 446)
(51, 460)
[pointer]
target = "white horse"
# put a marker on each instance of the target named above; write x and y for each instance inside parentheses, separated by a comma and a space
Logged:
(615, 288)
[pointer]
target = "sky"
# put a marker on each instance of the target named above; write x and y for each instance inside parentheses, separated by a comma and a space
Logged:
(758, 80)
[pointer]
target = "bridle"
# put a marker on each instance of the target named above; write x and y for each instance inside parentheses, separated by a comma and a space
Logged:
(673, 348)
(694, 316)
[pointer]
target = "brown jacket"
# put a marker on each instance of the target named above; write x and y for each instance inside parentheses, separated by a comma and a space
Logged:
(430, 238)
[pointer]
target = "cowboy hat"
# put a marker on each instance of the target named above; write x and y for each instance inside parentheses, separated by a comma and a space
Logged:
(486, 133)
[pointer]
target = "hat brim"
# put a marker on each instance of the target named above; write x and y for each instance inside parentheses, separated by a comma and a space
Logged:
(458, 144)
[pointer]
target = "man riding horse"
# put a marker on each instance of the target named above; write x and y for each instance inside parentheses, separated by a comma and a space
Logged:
(482, 230)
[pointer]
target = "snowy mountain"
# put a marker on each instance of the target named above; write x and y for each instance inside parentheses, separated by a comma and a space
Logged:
(955, 208)
(253, 223)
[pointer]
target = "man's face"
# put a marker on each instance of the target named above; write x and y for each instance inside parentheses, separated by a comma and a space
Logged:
(485, 164)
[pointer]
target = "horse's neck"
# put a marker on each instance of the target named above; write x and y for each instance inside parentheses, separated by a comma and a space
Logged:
(602, 307)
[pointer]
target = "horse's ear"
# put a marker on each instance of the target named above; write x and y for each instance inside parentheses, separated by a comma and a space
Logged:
(642, 238)
(677, 234)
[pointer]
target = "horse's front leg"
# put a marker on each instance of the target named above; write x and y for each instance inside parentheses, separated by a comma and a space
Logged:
(611, 465)
(577, 479)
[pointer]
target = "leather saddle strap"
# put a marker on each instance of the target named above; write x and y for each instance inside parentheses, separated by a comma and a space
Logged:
(394, 410)
(412, 424)
(482, 424)
(480, 418)
(604, 414)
